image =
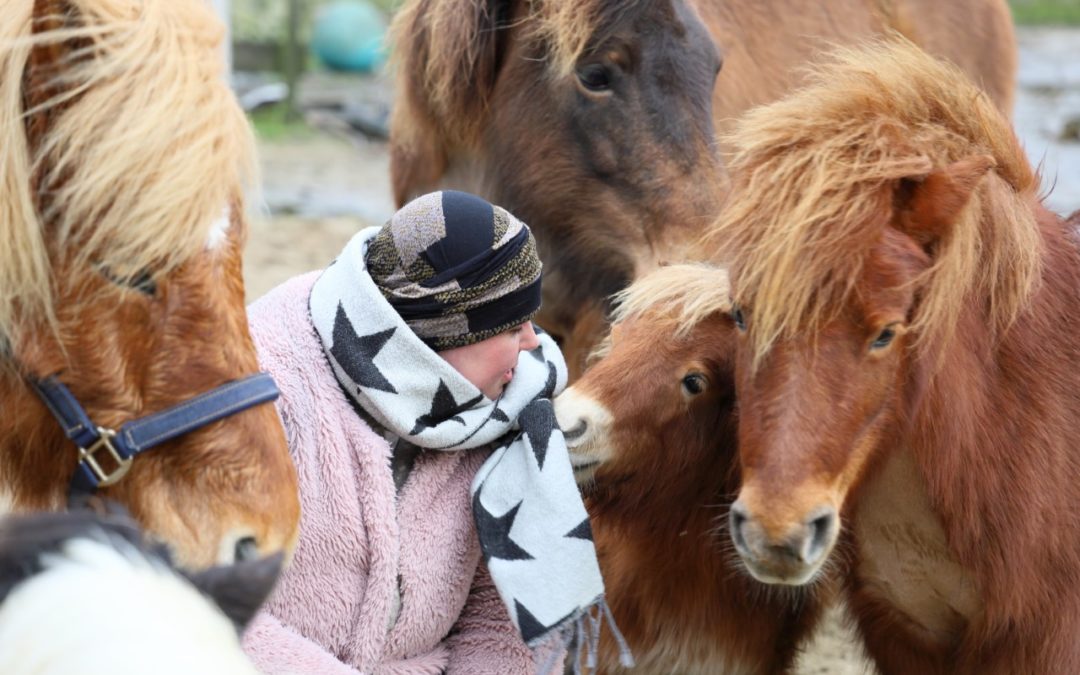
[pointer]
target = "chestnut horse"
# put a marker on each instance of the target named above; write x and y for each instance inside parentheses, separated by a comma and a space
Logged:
(908, 365)
(123, 155)
(593, 120)
(652, 436)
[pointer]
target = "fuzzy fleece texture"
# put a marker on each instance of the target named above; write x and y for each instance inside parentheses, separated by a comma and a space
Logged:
(534, 531)
(330, 611)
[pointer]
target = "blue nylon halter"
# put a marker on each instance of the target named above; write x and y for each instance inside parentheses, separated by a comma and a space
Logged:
(136, 436)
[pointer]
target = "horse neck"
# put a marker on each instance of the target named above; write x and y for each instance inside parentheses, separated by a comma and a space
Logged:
(36, 459)
(667, 561)
(994, 438)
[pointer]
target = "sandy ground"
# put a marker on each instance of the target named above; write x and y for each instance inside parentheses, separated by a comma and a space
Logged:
(317, 192)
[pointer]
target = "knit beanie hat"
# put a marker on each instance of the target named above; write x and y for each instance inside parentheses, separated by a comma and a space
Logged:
(457, 269)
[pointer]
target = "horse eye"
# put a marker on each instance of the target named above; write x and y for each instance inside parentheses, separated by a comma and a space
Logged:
(595, 77)
(145, 284)
(143, 281)
(884, 338)
(737, 317)
(694, 384)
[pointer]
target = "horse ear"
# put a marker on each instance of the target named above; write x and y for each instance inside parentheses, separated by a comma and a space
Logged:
(446, 55)
(936, 200)
(239, 590)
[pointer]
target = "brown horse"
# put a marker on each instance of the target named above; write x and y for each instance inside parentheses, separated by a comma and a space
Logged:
(594, 120)
(908, 364)
(122, 159)
(652, 436)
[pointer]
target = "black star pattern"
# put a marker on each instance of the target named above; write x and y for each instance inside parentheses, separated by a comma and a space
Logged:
(582, 531)
(499, 416)
(538, 353)
(537, 420)
(494, 533)
(356, 354)
(530, 626)
(443, 408)
(549, 386)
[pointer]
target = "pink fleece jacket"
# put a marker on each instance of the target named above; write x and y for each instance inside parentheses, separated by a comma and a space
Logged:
(332, 607)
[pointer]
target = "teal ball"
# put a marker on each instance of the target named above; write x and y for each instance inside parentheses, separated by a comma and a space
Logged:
(349, 35)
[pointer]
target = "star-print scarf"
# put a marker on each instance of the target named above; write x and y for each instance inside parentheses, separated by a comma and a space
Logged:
(533, 528)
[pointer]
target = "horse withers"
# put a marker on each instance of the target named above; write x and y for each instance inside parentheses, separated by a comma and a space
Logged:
(651, 429)
(907, 371)
(123, 158)
(594, 121)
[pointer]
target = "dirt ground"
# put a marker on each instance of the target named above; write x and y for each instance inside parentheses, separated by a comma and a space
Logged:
(319, 191)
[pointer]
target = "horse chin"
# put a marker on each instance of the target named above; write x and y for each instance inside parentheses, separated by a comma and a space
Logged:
(584, 472)
(783, 572)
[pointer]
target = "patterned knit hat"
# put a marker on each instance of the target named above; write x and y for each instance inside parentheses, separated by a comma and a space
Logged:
(457, 269)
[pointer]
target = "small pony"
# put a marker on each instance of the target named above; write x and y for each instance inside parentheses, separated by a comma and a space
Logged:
(651, 429)
(83, 593)
(907, 364)
(123, 158)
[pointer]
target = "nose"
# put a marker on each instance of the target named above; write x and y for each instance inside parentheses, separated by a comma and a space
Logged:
(576, 431)
(243, 546)
(529, 340)
(246, 548)
(579, 418)
(789, 557)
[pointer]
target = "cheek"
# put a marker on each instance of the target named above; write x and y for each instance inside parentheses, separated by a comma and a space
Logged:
(508, 356)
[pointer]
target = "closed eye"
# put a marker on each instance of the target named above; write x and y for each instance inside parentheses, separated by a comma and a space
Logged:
(143, 281)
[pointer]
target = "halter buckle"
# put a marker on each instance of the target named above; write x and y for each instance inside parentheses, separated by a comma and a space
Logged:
(104, 443)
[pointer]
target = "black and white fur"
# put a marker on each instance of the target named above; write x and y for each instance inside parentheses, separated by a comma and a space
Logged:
(84, 593)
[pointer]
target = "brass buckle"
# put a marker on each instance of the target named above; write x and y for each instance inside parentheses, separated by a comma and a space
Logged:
(105, 478)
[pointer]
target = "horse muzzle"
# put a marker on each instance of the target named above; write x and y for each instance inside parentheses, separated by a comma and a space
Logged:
(585, 424)
(786, 554)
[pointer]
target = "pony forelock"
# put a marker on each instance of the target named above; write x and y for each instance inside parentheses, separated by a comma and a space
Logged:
(676, 299)
(571, 28)
(444, 53)
(144, 145)
(814, 180)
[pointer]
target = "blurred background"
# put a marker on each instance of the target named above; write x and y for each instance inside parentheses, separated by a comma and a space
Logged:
(313, 78)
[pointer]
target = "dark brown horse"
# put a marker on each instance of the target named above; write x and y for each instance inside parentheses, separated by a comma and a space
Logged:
(122, 159)
(908, 373)
(652, 435)
(593, 120)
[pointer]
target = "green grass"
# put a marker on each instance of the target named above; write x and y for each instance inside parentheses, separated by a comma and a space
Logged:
(270, 125)
(1045, 12)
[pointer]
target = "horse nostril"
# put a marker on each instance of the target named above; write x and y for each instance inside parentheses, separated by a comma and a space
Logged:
(577, 431)
(246, 549)
(820, 534)
(736, 520)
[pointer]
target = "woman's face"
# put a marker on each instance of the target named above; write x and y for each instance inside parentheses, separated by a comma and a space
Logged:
(489, 364)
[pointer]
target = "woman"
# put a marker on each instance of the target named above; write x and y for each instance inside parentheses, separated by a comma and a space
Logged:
(410, 371)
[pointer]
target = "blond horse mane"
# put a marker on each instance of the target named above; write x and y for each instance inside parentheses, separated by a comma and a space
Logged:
(444, 53)
(814, 178)
(676, 298)
(145, 146)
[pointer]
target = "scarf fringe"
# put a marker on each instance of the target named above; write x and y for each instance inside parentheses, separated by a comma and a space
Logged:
(580, 637)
